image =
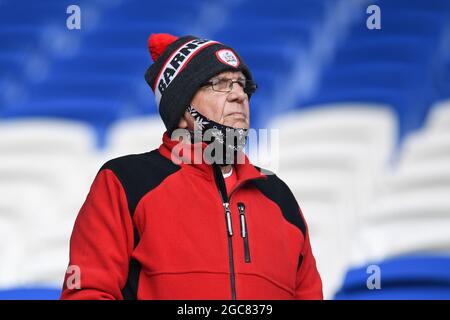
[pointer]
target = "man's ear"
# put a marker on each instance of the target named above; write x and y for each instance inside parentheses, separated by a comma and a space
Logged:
(186, 121)
(183, 123)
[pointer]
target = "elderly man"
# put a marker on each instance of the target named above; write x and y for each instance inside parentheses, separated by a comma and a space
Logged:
(160, 225)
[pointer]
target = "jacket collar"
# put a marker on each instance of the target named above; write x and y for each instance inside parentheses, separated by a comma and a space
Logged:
(190, 157)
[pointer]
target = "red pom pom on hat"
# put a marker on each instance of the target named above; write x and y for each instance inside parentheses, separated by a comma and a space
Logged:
(158, 42)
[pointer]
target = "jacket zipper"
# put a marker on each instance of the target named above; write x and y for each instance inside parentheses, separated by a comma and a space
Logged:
(244, 231)
(220, 183)
(226, 205)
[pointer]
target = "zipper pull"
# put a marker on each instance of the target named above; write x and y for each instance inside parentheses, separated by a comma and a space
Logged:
(226, 205)
(241, 208)
(244, 234)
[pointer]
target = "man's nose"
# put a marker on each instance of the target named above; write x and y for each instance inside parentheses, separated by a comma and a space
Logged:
(237, 94)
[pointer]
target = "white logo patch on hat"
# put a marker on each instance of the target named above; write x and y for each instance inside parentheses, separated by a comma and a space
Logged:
(228, 57)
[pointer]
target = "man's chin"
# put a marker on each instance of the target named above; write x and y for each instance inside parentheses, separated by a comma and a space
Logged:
(239, 124)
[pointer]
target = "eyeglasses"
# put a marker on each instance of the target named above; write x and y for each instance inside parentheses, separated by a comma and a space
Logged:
(226, 85)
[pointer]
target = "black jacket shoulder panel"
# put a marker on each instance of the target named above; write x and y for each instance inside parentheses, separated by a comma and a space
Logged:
(140, 173)
(277, 191)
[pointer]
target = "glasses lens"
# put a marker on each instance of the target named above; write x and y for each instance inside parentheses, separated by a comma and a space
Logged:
(222, 85)
(225, 85)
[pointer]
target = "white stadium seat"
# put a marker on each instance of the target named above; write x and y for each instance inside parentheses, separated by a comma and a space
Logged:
(402, 236)
(45, 136)
(358, 138)
(370, 125)
(46, 168)
(425, 202)
(411, 204)
(67, 180)
(330, 156)
(42, 206)
(439, 118)
(410, 214)
(416, 176)
(12, 243)
(135, 135)
(425, 146)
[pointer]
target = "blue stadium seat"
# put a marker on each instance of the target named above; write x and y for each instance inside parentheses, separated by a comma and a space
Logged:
(269, 31)
(12, 63)
(105, 62)
(405, 277)
(375, 75)
(24, 38)
(266, 57)
(130, 36)
(416, 5)
(135, 11)
(34, 13)
(265, 79)
(442, 79)
(99, 86)
(388, 49)
(412, 24)
(313, 11)
(32, 293)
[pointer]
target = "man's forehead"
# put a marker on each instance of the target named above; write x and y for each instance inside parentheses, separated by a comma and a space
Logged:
(230, 75)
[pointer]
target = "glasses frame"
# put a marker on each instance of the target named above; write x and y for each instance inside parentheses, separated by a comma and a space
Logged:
(249, 86)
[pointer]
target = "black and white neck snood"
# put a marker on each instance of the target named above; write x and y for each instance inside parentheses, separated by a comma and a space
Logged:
(224, 142)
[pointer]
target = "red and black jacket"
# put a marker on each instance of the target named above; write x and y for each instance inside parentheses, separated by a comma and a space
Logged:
(154, 229)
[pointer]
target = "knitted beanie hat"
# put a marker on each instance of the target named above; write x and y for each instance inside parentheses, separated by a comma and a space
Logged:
(181, 66)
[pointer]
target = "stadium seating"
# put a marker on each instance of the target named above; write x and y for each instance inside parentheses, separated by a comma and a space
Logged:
(439, 118)
(417, 277)
(30, 293)
(363, 120)
(329, 158)
(135, 135)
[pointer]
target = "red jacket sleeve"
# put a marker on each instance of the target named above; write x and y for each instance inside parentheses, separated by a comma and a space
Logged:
(308, 282)
(101, 243)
